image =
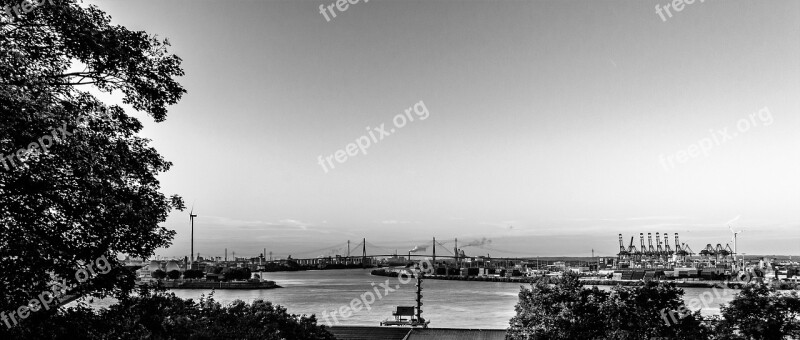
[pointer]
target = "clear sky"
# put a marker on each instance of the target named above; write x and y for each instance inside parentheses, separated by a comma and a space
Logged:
(553, 125)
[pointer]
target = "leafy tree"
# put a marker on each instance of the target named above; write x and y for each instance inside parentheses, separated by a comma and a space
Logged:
(159, 274)
(174, 274)
(561, 311)
(155, 314)
(234, 273)
(760, 312)
(566, 310)
(651, 311)
(193, 274)
(76, 180)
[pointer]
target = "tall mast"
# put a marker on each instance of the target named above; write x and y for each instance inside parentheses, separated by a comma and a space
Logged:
(456, 252)
(191, 252)
(420, 273)
(434, 251)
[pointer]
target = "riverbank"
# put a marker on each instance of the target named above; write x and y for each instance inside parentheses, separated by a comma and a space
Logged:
(294, 267)
(220, 285)
(447, 304)
(586, 281)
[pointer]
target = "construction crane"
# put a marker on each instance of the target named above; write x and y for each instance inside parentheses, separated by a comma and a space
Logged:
(642, 248)
(633, 252)
(623, 253)
(679, 251)
(723, 253)
(667, 250)
(659, 250)
(708, 253)
(688, 251)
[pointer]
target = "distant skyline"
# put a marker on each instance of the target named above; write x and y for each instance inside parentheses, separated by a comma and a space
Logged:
(548, 122)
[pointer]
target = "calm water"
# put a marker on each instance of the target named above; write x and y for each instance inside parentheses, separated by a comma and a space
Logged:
(458, 304)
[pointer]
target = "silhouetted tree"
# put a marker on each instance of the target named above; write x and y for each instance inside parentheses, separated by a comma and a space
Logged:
(566, 310)
(193, 274)
(76, 180)
(235, 273)
(760, 312)
(174, 274)
(561, 311)
(159, 274)
(160, 315)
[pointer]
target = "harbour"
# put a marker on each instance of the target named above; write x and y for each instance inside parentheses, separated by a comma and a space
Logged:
(455, 304)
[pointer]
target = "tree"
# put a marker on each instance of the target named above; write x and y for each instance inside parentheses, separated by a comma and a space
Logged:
(566, 310)
(76, 180)
(159, 274)
(561, 311)
(174, 274)
(760, 312)
(155, 314)
(651, 311)
(234, 273)
(193, 274)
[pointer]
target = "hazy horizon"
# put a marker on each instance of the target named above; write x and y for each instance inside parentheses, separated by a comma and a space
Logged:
(552, 126)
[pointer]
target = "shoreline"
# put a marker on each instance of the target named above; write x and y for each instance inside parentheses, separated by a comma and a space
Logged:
(586, 282)
(221, 285)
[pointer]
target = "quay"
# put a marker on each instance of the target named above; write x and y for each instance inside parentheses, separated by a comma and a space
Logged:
(532, 279)
(220, 285)
(402, 333)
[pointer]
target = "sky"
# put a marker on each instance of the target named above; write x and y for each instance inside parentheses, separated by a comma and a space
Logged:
(547, 127)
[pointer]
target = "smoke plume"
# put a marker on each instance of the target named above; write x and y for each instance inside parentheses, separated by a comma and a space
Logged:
(479, 243)
(421, 247)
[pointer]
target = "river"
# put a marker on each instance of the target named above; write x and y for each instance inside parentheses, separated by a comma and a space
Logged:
(455, 304)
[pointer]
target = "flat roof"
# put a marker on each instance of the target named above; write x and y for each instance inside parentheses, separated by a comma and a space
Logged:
(407, 333)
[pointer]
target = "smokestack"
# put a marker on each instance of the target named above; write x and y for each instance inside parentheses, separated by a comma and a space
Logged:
(455, 251)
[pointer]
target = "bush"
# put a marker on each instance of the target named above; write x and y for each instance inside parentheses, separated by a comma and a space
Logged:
(566, 310)
(174, 274)
(159, 274)
(234, 273)
(193, 274)
(154, 314)
(760, 312)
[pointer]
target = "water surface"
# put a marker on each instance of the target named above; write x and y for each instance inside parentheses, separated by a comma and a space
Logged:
(457, 304)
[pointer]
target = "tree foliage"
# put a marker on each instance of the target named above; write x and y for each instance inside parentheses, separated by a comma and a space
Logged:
(760, 312)
(566, 310)
(93, 190)
(159, 274)
(234, 273)
(159, 315)
(174, 274)
(193, 274)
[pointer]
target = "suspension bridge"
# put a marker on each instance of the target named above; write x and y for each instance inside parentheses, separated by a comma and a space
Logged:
(365, 252)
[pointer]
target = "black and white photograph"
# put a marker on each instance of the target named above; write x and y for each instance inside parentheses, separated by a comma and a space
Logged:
(400, 169)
